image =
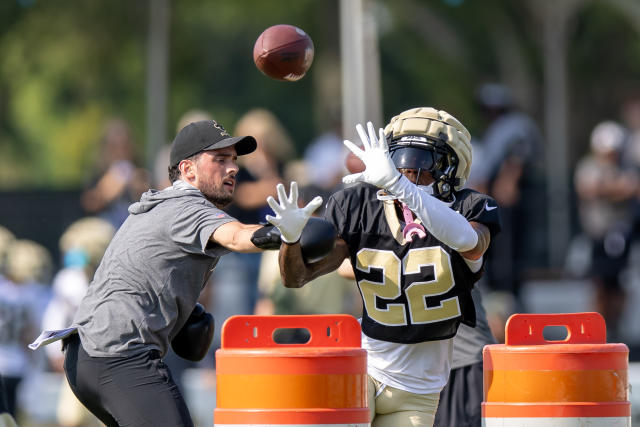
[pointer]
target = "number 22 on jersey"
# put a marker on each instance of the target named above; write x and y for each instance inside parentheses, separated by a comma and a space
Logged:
(393, 268)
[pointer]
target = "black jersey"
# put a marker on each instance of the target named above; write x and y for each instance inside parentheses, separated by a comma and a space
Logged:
(411, 291)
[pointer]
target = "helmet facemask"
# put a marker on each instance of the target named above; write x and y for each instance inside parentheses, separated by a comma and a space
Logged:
(423, 154)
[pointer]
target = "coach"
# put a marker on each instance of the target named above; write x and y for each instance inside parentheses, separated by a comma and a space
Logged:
(146, 287)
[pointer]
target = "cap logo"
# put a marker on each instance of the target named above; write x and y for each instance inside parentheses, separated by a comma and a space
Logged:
(218, 126)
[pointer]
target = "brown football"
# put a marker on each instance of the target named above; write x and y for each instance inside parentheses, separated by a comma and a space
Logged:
(354, 164)
(283, 52)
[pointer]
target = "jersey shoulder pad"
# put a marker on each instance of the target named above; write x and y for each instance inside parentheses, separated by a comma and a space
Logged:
(360, 191)
(347, 208)
(478, 207)
(352, 198)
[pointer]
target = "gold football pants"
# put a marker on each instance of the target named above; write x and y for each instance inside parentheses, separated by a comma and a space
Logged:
(391, 407)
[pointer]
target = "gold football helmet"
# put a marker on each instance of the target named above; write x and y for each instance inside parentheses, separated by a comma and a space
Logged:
(431, 140)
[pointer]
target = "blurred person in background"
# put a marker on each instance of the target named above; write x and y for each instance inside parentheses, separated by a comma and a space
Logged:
(507, 166)
(6, 238)
(24, 295)
(259, 173)
(6, 419)
(325, 159)
(499, 305)
(82, 246)
(332, 293)
(630, 113)
(119, 181)
(606, 191)
(235, 280)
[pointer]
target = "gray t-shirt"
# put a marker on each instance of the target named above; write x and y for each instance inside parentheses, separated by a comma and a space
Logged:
(151, 274)
(469, 342)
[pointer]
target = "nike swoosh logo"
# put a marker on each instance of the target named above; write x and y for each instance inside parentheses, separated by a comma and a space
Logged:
(489, 208)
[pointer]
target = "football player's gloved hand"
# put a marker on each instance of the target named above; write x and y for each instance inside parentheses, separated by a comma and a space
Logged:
(194, 339)
(267, 238)
(290, 219)
(380, 170)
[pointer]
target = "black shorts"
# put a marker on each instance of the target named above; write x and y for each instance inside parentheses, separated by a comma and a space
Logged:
(461, 399)
(125, 391)
(608, 258)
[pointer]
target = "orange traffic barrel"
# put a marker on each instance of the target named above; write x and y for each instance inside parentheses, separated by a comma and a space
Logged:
(320, 382)
(578, 381)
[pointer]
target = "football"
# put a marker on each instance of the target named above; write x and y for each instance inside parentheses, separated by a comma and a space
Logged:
(354, 164)
(283, 52)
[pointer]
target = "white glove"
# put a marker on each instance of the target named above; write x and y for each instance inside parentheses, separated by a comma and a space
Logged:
(445, 224)
(379, 168)
(290, 219)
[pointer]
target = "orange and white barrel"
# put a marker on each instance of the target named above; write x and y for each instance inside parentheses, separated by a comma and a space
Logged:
(321, 382)
(579, 381)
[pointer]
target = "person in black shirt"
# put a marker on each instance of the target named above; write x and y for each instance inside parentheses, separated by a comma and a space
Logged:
(415, 238)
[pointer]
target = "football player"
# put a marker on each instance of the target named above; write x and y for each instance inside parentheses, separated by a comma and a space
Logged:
(416, 239)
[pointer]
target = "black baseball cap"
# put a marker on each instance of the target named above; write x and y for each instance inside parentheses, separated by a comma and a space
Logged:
(206, 135)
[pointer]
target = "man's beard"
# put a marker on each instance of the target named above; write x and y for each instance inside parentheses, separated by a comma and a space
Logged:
(217, 196)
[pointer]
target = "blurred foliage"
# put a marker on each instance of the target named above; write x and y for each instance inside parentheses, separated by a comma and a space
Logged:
(67, 66)
(605, 68)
